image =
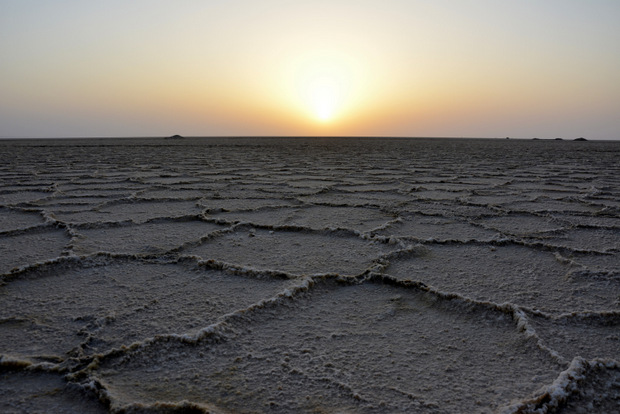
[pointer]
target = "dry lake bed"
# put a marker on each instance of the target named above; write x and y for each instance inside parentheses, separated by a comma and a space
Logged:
(309, 275)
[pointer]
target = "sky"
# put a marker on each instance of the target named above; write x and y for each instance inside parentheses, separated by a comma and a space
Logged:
(457, 68)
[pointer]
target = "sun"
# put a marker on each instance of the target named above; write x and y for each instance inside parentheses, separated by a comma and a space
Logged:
(323, 88)
(323, 96)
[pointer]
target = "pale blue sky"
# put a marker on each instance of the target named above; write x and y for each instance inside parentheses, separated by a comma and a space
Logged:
(487, 68)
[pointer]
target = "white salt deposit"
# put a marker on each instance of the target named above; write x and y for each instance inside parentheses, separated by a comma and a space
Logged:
(309, 275)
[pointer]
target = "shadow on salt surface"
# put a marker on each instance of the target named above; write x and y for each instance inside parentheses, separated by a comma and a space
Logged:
(74, 309)
(314, 217)
(516, 274)
(147, 238)
(342, 348)
(39, 392)
(15, 220)
(137, 211)
(32, 247)
(296, 252)
(439, 229)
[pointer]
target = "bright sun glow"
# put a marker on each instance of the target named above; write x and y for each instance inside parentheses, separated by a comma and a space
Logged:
(322, 86)
(323, 95)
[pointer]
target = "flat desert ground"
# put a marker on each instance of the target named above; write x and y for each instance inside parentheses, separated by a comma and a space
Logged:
(309, 275)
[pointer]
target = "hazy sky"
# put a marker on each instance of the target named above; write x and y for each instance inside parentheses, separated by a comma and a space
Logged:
(478, 68)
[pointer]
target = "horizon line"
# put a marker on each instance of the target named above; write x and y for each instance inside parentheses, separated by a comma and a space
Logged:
(180, 137)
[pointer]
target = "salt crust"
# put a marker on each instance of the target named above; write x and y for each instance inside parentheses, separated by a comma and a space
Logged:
(278, 275)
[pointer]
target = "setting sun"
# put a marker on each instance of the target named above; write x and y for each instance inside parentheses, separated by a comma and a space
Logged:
(323, 95)
(323, 87)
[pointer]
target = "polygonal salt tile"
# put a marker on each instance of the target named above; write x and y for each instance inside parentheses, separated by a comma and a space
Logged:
(15, 220)
(595, 240)
(422, 227)
(138, 212)
(366, 348)
(516, 274)
(50, 312)
(546, 206)
(241, 204)
(295, 252)
(25, 196)
(145, 238)
(589, 336)
(30, 248)
(315, 217)
(521, 224)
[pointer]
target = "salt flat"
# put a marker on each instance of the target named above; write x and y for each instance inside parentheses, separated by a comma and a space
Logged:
(364, 275)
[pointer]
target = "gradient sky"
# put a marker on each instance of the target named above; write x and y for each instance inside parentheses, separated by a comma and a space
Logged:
(476, 68)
